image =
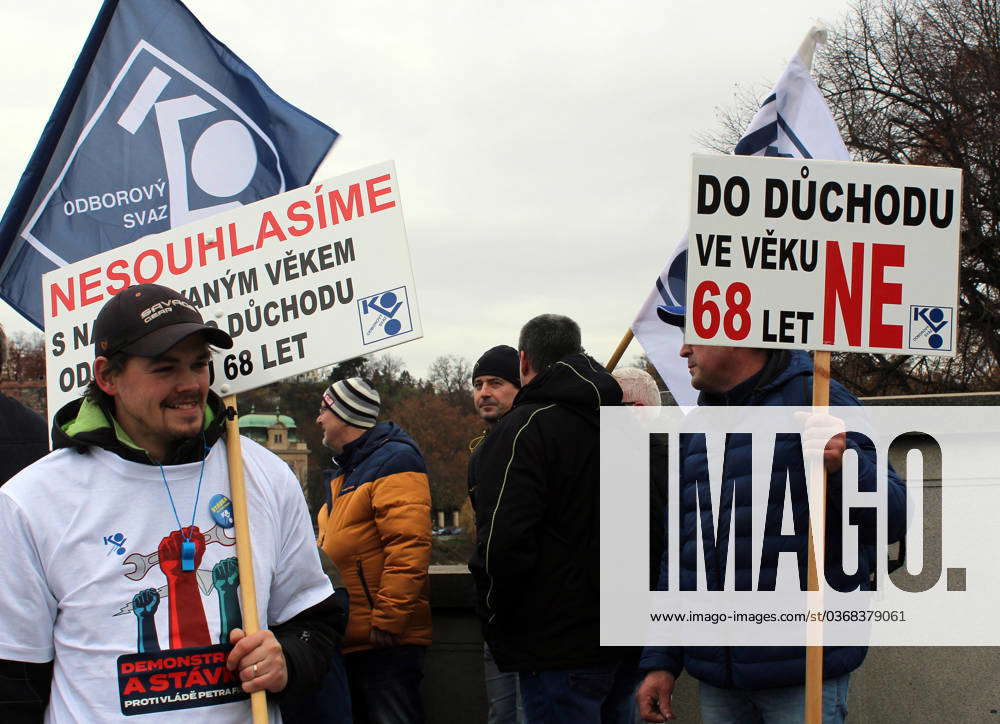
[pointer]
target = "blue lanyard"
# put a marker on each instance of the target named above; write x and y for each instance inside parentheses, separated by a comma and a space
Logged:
(187, 547)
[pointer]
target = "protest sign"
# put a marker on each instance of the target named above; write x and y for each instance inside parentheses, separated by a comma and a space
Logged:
(823, 255)
(792, 122)
(300, 280)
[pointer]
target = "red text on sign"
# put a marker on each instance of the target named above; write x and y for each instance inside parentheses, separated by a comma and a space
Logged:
(848, 297)
(736, 320)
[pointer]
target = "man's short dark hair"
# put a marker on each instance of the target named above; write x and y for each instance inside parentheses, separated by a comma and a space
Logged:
(548, 338)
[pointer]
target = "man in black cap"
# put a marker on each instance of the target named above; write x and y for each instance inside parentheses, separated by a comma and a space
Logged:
(496, 380)
(118, 568)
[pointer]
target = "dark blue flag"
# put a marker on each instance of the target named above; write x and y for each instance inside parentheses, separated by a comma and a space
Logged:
(159, 125)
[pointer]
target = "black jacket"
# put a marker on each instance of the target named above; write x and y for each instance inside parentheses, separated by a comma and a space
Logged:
(536, 499)
(23, 437)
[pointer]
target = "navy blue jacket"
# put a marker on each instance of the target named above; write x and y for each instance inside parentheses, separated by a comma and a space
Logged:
(785, 380)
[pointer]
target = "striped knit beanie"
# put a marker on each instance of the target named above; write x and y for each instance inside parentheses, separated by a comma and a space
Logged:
(354, 401)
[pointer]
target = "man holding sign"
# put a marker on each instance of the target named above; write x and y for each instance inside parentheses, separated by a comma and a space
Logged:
(115, 544)
(763, 683)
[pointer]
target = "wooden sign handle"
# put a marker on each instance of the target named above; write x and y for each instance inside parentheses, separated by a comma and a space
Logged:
(244, 552)
(619, 351)
(814, 654)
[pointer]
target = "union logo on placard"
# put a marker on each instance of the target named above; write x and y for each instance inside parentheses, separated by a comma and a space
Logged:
(931, 328)
(384, 315)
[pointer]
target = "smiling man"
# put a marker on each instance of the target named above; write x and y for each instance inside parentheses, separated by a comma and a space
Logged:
(120, 583)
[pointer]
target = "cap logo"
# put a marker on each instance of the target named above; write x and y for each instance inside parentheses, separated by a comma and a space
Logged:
(160, 308)
(104, 344)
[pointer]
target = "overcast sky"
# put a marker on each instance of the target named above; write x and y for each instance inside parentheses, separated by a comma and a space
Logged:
(542, 148)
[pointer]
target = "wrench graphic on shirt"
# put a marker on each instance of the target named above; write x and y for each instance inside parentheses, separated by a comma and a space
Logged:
(140, 564)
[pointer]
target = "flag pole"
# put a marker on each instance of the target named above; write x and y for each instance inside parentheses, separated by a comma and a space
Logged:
(814, 649)
(244, 554)
(817, 35)
(619, 351)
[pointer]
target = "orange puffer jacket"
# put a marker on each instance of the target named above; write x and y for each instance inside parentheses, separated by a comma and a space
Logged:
(376, 527)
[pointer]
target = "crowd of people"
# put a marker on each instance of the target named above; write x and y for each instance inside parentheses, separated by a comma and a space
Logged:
(98, 545)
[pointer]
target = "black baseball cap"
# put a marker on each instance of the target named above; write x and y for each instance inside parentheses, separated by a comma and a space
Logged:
(147, 320)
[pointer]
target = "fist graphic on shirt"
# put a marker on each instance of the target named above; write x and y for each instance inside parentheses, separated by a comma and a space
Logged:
(225, 575)
(145, 602)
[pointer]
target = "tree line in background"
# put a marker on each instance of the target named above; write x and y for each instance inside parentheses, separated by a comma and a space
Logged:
(436, 412)
(25, 359)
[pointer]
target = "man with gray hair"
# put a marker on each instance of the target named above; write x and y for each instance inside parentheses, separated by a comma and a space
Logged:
(638, 387)
(536, 563)
(376, 528)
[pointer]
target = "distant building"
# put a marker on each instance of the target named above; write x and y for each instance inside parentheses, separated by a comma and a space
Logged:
(278, 434)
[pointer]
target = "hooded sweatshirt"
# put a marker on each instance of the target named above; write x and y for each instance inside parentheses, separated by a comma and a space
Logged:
(537, 548)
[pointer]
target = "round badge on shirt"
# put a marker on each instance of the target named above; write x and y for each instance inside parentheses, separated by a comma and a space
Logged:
(221, 509)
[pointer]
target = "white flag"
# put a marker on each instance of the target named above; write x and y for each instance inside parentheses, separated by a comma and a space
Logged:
(793, 122)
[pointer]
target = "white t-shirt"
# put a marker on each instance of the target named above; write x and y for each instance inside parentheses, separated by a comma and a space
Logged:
(77, 538)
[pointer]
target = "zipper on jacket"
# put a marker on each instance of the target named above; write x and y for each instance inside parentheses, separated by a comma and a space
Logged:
(364, 584)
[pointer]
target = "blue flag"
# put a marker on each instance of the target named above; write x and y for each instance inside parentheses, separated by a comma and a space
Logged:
(159, 125)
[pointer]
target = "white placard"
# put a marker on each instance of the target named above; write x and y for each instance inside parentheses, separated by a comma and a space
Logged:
(827, 255)
(300, 280)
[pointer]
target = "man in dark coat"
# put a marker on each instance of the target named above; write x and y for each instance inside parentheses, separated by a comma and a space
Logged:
(496, 379)
(760, 683)
(24, 436)
(536, 559)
